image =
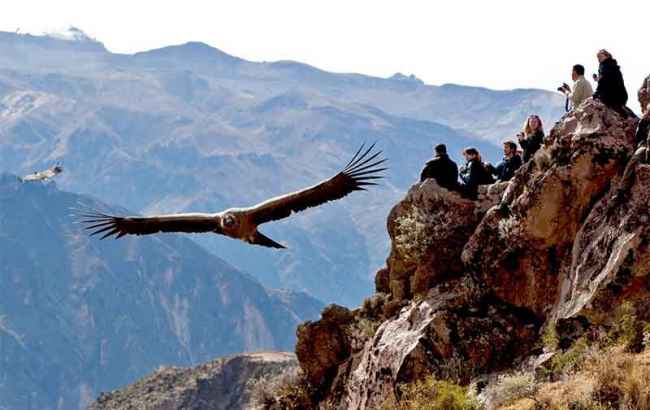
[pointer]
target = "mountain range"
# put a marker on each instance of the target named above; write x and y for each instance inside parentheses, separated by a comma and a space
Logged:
(80, 316)
(191, 128)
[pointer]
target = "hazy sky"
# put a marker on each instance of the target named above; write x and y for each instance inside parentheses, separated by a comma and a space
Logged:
(496, 44)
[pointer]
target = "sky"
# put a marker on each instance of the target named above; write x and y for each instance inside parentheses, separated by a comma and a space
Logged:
(496, 44)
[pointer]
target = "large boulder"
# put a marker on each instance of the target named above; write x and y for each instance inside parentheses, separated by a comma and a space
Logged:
(610, 261)
(323, 345)
(428, 229)
(450, 334)
(519, 253)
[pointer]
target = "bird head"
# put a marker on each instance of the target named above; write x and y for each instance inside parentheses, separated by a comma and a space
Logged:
(229, 222)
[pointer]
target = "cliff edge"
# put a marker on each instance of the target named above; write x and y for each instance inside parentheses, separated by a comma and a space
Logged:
(470, 288)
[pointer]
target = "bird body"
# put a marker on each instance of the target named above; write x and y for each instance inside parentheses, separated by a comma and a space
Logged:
(242, 223)
(43, 175)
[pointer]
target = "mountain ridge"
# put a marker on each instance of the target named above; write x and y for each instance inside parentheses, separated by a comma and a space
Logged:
(79, 316)
(204, 134)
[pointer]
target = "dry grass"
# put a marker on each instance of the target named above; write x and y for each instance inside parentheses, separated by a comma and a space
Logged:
(607, 379)
(512, 388)
(432, 394)
(287, 391)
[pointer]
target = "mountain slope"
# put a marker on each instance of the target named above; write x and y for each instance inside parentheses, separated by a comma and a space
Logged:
(190, 128)
(229, 383)
(79, 316)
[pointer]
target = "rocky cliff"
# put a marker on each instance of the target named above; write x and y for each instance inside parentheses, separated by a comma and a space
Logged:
(470, 288)
(224, 384)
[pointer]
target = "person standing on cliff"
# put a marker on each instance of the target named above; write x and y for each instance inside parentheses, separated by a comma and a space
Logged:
(473, 174)
(581, 87)
(611, 87)
(532, 137)
(442, 169)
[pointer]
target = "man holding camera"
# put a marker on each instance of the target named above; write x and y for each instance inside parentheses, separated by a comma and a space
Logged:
(581, 87)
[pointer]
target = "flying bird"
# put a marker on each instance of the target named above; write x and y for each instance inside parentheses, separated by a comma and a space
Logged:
(242, 223)
(43, 175)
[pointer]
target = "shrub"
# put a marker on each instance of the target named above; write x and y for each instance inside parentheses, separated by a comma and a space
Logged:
(621, 380)
(512, 387)
(569, 361)
(432, 394)
(288, 390)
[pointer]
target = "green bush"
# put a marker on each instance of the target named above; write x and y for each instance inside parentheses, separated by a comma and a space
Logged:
(432, 394)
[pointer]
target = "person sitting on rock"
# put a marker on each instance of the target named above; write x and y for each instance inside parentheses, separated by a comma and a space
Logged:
(611, 87)
(442, 169)
(473, 174)
(532, 137)
(511, 161)
(581, 87)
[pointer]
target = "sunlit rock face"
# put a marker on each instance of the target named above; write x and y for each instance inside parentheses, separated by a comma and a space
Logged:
(523, 255)
(468, 286)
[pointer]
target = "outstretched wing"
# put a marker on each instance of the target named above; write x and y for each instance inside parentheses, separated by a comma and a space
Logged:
(364, 168)
(108, 225)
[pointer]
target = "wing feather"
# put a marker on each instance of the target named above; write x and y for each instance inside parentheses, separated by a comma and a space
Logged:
(99, 223)
(363, 170)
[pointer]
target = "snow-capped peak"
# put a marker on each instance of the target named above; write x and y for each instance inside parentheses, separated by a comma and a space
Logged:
(70, 34)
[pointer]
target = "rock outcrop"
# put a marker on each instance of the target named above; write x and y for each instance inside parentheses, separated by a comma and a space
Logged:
(469, 286)
(523, 256)
(221, 384)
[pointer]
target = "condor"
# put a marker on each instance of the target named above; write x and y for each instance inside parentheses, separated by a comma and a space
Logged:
(241, 223)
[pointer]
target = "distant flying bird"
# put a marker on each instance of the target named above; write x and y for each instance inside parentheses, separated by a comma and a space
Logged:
(242, 223)
(43, 175)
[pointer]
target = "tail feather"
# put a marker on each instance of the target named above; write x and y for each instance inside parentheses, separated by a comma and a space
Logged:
(263, 240)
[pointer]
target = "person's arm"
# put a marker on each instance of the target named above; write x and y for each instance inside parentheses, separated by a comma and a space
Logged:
(498, 170)
(523, 142)
(425, 172)
(474, 174)
(605, 75)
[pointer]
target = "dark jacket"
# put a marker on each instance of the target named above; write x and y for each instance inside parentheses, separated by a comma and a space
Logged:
(473, 174)
(531, 144)
(443, 170)
(611, 88)
(505, 169)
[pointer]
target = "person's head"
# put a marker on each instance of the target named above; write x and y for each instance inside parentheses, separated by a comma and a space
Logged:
(440, 149)
(577, 72)
(603, 55)
(471, 153)
(509, 148)
(533, 124)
